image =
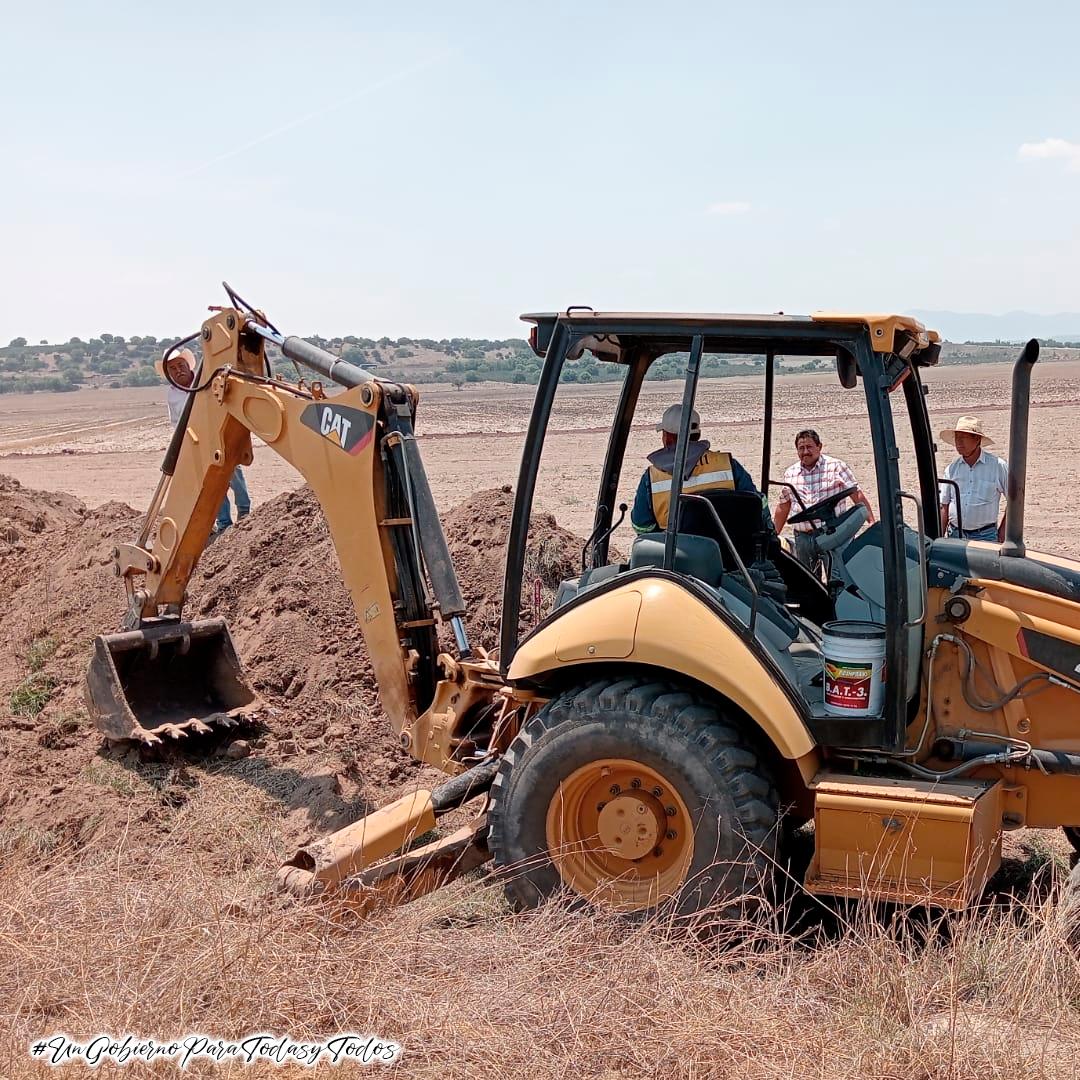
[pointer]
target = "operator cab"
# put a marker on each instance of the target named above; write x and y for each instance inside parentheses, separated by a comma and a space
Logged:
(721, 545)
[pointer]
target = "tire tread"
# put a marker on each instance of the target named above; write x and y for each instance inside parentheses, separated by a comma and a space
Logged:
(699, 721)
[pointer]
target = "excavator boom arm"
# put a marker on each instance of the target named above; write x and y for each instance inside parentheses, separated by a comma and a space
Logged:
(357, 452)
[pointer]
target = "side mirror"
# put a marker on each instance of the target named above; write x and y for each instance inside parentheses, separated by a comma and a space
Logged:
(930, 356)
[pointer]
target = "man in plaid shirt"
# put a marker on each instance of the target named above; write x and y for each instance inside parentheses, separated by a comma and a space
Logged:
(815, 476)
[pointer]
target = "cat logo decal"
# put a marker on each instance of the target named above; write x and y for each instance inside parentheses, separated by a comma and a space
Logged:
(351, 429)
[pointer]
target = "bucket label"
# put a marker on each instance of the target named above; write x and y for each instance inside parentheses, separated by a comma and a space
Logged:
(847, 685)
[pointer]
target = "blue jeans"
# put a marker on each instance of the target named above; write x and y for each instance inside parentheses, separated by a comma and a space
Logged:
(243, 501)
(806, 555)
(987, 532)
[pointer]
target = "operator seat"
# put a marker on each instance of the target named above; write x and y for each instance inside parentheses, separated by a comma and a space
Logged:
(741, 515)
(696, 556)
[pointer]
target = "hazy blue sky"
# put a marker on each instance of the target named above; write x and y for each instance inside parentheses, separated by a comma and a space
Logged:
(436, 169)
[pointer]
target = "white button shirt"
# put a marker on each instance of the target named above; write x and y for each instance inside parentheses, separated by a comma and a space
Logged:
(982, 486)
(176, 399)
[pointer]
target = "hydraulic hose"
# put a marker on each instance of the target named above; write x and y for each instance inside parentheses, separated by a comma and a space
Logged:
(970, 664)
(1017, 753)
(461, 788)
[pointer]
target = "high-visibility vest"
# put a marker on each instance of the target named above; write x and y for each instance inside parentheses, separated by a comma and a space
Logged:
(714, 472)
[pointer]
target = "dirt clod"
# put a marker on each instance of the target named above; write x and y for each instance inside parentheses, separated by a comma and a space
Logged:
(238, 749)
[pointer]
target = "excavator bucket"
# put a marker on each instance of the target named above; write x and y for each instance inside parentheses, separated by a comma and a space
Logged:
(171, 679)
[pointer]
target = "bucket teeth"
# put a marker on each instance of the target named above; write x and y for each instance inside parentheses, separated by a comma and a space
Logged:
(194, 726)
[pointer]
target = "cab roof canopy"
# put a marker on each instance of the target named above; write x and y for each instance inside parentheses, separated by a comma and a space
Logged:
(810, 335)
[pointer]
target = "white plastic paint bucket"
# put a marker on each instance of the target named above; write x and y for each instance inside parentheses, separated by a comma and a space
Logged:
(854, 660)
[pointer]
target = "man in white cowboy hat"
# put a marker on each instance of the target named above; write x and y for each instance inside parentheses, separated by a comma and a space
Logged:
(983, 480)
(706, 470)
(179, 372)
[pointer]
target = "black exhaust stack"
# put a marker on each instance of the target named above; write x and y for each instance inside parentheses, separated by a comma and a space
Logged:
(1018, 440)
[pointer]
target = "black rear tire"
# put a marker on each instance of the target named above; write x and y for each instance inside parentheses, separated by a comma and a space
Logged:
(1072, 834)
(678, 734)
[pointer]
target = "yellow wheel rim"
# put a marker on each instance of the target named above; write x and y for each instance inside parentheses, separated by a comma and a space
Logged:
(620, 834)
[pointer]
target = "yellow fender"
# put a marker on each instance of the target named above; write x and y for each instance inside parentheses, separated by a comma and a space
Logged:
(655, 621)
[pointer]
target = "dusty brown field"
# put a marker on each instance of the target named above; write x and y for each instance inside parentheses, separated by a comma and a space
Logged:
(107, 444)
(135, 893)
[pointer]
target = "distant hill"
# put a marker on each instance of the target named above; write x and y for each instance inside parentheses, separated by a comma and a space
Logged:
(1012, 326)
(110, 360)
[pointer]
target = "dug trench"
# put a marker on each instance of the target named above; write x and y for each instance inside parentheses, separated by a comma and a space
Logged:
(323, 755)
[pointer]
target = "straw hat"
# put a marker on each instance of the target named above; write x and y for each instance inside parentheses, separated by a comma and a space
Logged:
(968, 425)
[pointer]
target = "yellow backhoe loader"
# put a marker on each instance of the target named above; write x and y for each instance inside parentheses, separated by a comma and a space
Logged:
(643, 743)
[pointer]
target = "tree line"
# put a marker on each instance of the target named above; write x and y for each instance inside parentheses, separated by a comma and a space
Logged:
(111, 360)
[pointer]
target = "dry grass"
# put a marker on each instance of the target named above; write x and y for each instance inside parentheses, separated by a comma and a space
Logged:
(95, 943)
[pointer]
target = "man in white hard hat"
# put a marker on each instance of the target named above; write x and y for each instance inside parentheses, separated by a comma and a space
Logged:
(982, 479)
(706, 470)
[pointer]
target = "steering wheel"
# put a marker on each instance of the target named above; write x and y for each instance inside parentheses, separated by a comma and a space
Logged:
(825, 509)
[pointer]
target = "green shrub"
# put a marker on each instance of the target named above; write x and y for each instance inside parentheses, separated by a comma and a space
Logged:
(41, 649)
(32, 694)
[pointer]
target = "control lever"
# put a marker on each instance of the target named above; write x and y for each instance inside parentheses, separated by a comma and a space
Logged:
(590, 543)
(600, 539)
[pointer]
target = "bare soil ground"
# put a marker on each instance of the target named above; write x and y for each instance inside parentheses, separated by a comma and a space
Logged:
(135, 888)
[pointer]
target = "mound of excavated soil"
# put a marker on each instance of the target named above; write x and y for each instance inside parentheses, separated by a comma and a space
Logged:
(57, 583)
(477, 531)
(276, 578)
(25, 512)
(328, 752)
(25, 516)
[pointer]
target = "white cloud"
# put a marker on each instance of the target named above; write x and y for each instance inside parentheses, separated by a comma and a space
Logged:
(727, 208)
(1061, 149)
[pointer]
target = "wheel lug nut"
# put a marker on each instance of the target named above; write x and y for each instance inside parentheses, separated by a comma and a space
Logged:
(635, 783)
(600, 806)
(657, 792)
(669, 810)
(657, 852)
(615, 789)
(671, 834)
